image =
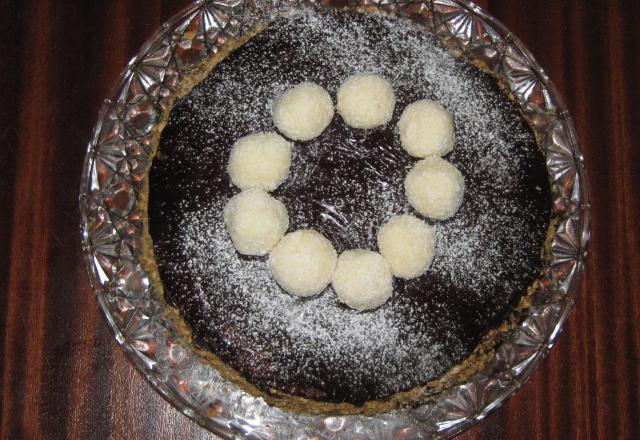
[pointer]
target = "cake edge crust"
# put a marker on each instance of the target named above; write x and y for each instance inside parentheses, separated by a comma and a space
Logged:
(420, 394)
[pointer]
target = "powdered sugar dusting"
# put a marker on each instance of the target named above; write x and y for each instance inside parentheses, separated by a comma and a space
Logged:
(346, 184)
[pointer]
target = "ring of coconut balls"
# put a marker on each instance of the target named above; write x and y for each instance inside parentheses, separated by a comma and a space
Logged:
(304, 262)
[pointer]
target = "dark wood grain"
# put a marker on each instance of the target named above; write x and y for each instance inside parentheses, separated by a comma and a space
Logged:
(63, 376)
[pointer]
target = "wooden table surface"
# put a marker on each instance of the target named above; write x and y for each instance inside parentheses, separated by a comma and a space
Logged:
(62, 374)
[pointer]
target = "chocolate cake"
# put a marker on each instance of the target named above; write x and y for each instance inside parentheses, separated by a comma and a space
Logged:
(317, 355)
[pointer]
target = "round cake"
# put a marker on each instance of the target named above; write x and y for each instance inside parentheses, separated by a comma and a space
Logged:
(316, 354)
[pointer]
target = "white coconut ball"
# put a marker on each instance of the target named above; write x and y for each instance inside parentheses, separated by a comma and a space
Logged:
(256, 221)
(435, 188)
(366, 100)
(303, 262)
(259, 160)
(362, 279)
(408, 244)
(426, 129)
(303, 112)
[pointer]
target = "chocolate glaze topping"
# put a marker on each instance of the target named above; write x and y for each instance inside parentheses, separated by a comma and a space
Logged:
(345, 184)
